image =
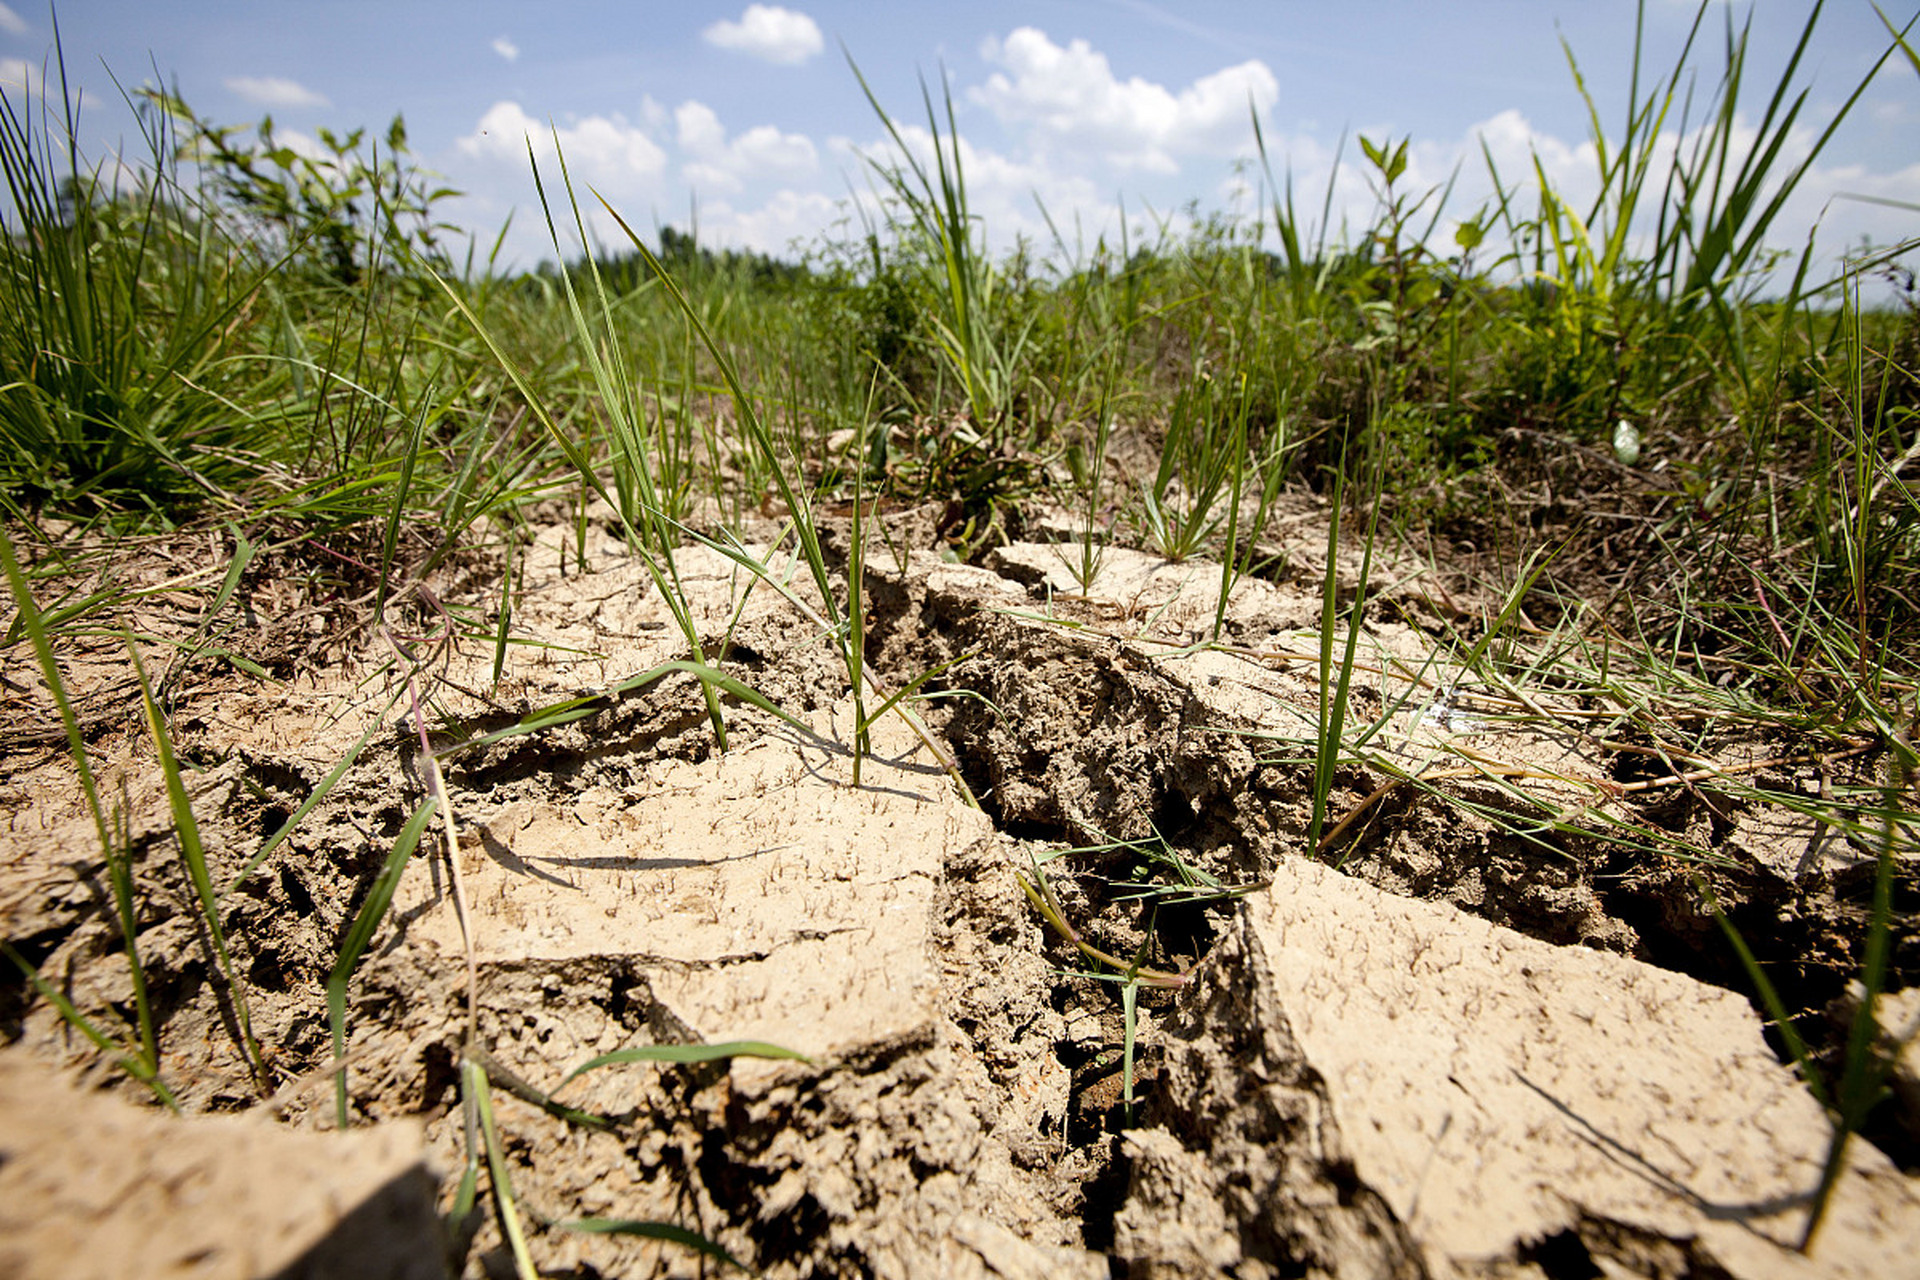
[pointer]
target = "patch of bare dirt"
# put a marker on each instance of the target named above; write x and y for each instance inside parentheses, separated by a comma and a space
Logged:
(1466, 1052)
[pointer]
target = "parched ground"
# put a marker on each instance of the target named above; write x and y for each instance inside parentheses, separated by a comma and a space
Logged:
(1447, 1044)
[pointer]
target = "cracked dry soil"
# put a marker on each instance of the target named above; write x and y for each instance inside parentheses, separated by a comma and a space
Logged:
(1460, 1053)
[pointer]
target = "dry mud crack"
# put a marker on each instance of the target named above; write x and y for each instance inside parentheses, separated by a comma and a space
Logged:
(1452, 1057)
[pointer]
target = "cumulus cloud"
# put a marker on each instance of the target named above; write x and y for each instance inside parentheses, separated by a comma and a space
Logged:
(602, 150)
(1070, 99)
(717, 162)
(12, 23)
(610, 154)
(1005, 192)
(506, 48)
(19, 75)
(274, 91)
(788, 218)
(769, 32)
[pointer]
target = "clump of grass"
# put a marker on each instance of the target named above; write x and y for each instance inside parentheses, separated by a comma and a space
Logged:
(115, 306)
(841, 626)
(1193, 489)
(116, 854)
(193, 855)
(1087, 464)
(142, 1063)
(1129, 973)
(636, 494)
(985, 353)
(1336, 674)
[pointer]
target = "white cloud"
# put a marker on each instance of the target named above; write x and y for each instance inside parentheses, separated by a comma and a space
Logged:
(715, 162)
(1514, 145)
(275, 91)
(606, 154)
(506, 48)
(19, 75)
(602, 150)
(790, 217)
(1849, 207)
(700, 130)
(304, 145)
(12, 23)
(1005, 193)
(1071, 101)
(768, 32)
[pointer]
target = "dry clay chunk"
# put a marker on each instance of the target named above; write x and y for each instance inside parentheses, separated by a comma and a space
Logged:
(768, 898)
(91, 1185)
(1497, 1091)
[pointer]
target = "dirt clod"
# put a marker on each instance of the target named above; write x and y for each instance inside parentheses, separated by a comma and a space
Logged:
(89, 1183)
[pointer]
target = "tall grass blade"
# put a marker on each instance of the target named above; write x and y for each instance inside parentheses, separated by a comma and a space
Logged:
(115, 854)
(1230, 565)
(402, 490)
(1864, 1073)
(130, 1060)
(505, 623)
(474, 1077)
(193, 853)
(359, 935)
(682, 1054)
(665, 1231)
(1335, 685)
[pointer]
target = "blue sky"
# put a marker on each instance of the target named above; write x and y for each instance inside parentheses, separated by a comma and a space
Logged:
(753, 113)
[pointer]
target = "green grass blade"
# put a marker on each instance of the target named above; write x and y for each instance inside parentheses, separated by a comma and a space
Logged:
(244, 550)
(914, 686)
(130, 1061)
(30, 618)
(572, 709)
(505, 623)
(307, 806)
(396, 510)
(372, 911)
(1863, 1077)
(116, 855)
(657, 1231)
(474, 1077)
(1899, 36)
(681, 1054)
(193, 853)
